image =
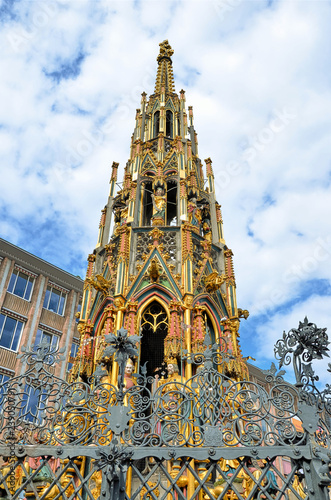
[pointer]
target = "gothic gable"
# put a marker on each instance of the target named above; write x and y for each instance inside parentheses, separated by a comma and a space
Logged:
(154, 270)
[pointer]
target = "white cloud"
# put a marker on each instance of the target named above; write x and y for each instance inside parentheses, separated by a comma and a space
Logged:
(241, 66)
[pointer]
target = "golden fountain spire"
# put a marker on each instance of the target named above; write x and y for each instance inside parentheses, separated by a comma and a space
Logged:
(164, 78)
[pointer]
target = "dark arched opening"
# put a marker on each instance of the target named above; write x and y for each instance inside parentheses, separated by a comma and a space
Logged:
(154, 329)
(156, 123)
(169, 124)
(147, 204)
(172, 203)
(210, 328)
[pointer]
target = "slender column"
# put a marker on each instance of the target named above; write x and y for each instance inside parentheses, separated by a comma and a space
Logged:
(87, 294)
(143, 116)
(119, 303)
(123, 258)
(199, 329)
(187, 258)
(219, 222)
(188, 299)
(101, 226)
(210, 175)
(230, 283)
(130, 322)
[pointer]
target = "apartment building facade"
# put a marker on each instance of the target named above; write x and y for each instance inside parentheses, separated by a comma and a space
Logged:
(38, 302)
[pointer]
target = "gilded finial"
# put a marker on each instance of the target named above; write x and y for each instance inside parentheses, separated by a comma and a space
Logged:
(164, 78)
(165, 50)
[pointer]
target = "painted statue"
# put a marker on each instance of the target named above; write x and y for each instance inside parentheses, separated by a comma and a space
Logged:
(194, 213)
(159, 207)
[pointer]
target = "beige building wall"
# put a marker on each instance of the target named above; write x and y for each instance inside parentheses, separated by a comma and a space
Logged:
(25, 281)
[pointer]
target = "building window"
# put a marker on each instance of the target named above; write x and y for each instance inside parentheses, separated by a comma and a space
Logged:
(49, 338)
(21, 284)
(33, 404)
(10, 332)
(55, 300)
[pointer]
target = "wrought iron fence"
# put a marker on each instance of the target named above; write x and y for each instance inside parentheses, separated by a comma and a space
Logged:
(203, 438)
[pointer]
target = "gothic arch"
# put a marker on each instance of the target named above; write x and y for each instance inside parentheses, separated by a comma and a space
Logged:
(169, 132)
(154, 327)
(147, 301)
(156, 123)
(212, 312)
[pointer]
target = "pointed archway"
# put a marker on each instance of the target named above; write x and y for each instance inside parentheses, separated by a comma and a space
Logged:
(154, 329)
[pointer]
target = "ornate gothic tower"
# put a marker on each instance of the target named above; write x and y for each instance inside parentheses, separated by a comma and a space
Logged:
(166, 271)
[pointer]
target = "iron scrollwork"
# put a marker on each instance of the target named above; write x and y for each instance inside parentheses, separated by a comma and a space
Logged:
(210, 414)
(307, 342)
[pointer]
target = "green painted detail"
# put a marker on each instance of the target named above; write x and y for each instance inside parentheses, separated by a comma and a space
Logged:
(156, 106)
(147, 157)
(97, 301)
(232, 301)
(166, 284)
(143, 284)
(170, 105)
(171, 284)
(173, 157)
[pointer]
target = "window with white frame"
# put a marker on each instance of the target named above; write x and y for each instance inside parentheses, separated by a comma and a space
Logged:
(49, 338)
(21, 284)
(55, 300)
(3, 378)
(10, 332)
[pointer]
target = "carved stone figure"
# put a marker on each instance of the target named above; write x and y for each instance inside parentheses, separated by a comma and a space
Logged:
(194, 213)
(159, 207)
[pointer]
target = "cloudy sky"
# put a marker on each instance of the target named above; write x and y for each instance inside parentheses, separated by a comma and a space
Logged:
(258, 75)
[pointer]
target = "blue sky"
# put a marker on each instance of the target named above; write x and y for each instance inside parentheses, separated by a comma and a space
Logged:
(258, 76)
